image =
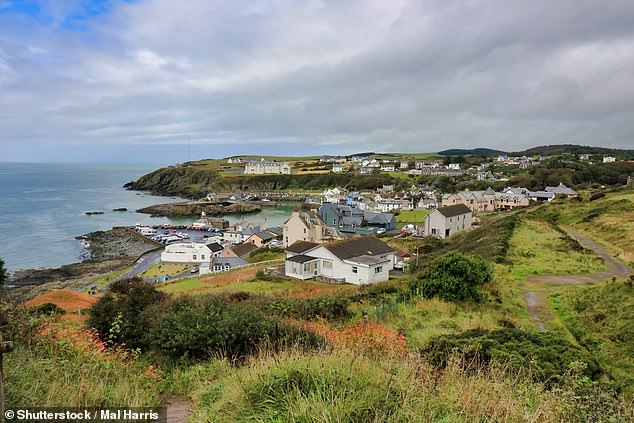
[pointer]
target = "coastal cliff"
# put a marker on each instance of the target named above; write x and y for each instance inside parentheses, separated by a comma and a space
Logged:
(195, 181)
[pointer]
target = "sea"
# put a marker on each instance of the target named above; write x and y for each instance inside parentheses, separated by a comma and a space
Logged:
(42, 209)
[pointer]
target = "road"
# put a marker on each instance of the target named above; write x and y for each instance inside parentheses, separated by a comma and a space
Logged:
(536, 302)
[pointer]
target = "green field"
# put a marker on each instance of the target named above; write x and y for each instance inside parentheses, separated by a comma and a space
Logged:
(412, 216)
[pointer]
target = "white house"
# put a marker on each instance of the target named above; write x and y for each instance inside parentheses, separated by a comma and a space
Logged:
(453, 166)
(359, 261)
(609, 159)
(189, 252)
(262, 167)
(338, 168)
(446, 221)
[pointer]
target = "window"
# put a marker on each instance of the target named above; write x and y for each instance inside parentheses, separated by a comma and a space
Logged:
(334, 221)
(195, 256)
(433, 231)
(378, 269)
(306, 267)
(202, 256)
(327, 264)
(354, 269)
(304, 230)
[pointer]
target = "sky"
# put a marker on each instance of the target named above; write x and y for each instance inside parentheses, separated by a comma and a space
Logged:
(133, 80)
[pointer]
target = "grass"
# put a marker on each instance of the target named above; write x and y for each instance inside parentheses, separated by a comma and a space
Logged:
(411, 216)
(343, 386)
(609, 221)
(601, 318)
(106, 279)
(162, 269)
(266, 254)
(538, 249)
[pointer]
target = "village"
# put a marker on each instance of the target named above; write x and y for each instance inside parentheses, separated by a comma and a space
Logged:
(339, 235)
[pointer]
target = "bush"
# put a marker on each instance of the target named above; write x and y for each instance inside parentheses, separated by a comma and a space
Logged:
(204, 326)
(546, 357)
(453, 277)
(597, 195)
(123, 315)
(328, 308)
(48, 309)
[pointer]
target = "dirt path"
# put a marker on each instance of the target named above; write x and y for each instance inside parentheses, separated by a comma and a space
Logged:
(178, 409)
(536, 300)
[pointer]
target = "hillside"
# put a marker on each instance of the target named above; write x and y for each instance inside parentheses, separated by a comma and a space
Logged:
(471, 152)
(552, 150)
(199, 178)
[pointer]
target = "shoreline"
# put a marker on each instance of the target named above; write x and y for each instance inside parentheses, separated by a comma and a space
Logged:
(109, 251)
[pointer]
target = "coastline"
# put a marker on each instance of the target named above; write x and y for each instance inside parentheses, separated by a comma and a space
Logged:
(110, 251)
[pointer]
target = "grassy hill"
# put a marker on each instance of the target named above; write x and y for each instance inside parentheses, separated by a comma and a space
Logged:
(318, 352)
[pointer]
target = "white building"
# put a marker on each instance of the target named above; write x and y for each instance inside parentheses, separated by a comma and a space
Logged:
(338, 168)
(609, 159)
(262, 167)
(359, 261)
(453, 166)
(446, 221)
(189, 252)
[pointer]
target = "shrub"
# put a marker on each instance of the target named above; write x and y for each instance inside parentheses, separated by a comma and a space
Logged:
(546, 357)
(453, 277)
(325, 307)
(123, 315)
(48, 309)
(204, 326)
(597, 195)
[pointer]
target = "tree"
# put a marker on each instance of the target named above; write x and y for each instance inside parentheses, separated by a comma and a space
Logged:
(3, 272)
(453, 277)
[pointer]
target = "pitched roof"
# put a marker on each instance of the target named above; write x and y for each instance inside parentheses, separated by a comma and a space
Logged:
(455, 210)
(355, 247)
(561, 189)
(489, 191)
(244, 249)
(301, 246)
(215, 247)
(231, 261)
(301, 258)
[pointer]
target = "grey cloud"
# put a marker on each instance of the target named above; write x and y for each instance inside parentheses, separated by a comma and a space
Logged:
(404, 76)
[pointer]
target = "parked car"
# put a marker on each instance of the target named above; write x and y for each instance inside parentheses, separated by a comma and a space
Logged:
(194, 269)
(381, 231)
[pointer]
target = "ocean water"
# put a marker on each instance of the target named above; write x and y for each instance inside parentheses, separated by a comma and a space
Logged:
(42, 209)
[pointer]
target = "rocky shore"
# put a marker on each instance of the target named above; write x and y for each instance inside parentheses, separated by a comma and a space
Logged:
(108, 251)
(195, 209)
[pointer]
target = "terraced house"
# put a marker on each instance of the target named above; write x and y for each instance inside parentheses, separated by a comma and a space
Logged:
(486, 201)
(262, 167)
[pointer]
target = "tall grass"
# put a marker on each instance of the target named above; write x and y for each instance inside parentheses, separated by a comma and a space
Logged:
(344, 386)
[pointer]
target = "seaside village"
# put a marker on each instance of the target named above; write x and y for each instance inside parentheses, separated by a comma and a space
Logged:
(340, 236)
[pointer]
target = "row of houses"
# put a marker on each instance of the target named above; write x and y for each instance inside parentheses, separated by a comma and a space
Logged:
(509, 199)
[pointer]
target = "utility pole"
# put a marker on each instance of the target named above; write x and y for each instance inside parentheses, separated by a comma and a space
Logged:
(188, 148)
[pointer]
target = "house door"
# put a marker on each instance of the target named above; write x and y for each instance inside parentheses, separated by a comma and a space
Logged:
(446, 233)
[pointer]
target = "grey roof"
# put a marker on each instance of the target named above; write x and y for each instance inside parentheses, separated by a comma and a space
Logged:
(300, 258)
(378, 218)
(215, 247)
(232, 262)
(455, 210)
(561, 189)
(355, 247)
(265, 235)
(368, 260)
(489, 191)
(301, 247)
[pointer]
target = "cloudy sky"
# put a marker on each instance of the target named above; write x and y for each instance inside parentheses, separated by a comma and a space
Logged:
(116, 80)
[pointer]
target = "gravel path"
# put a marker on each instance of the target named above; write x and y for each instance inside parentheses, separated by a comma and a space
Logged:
(536, 302)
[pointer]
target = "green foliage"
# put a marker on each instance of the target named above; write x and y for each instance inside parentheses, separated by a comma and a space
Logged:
(125, 312)
(545, 357)
(205, 326)
(3, 272)
(48, 309)
(265, 254)
(453, 277)
(324, 307)
(601, 318)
